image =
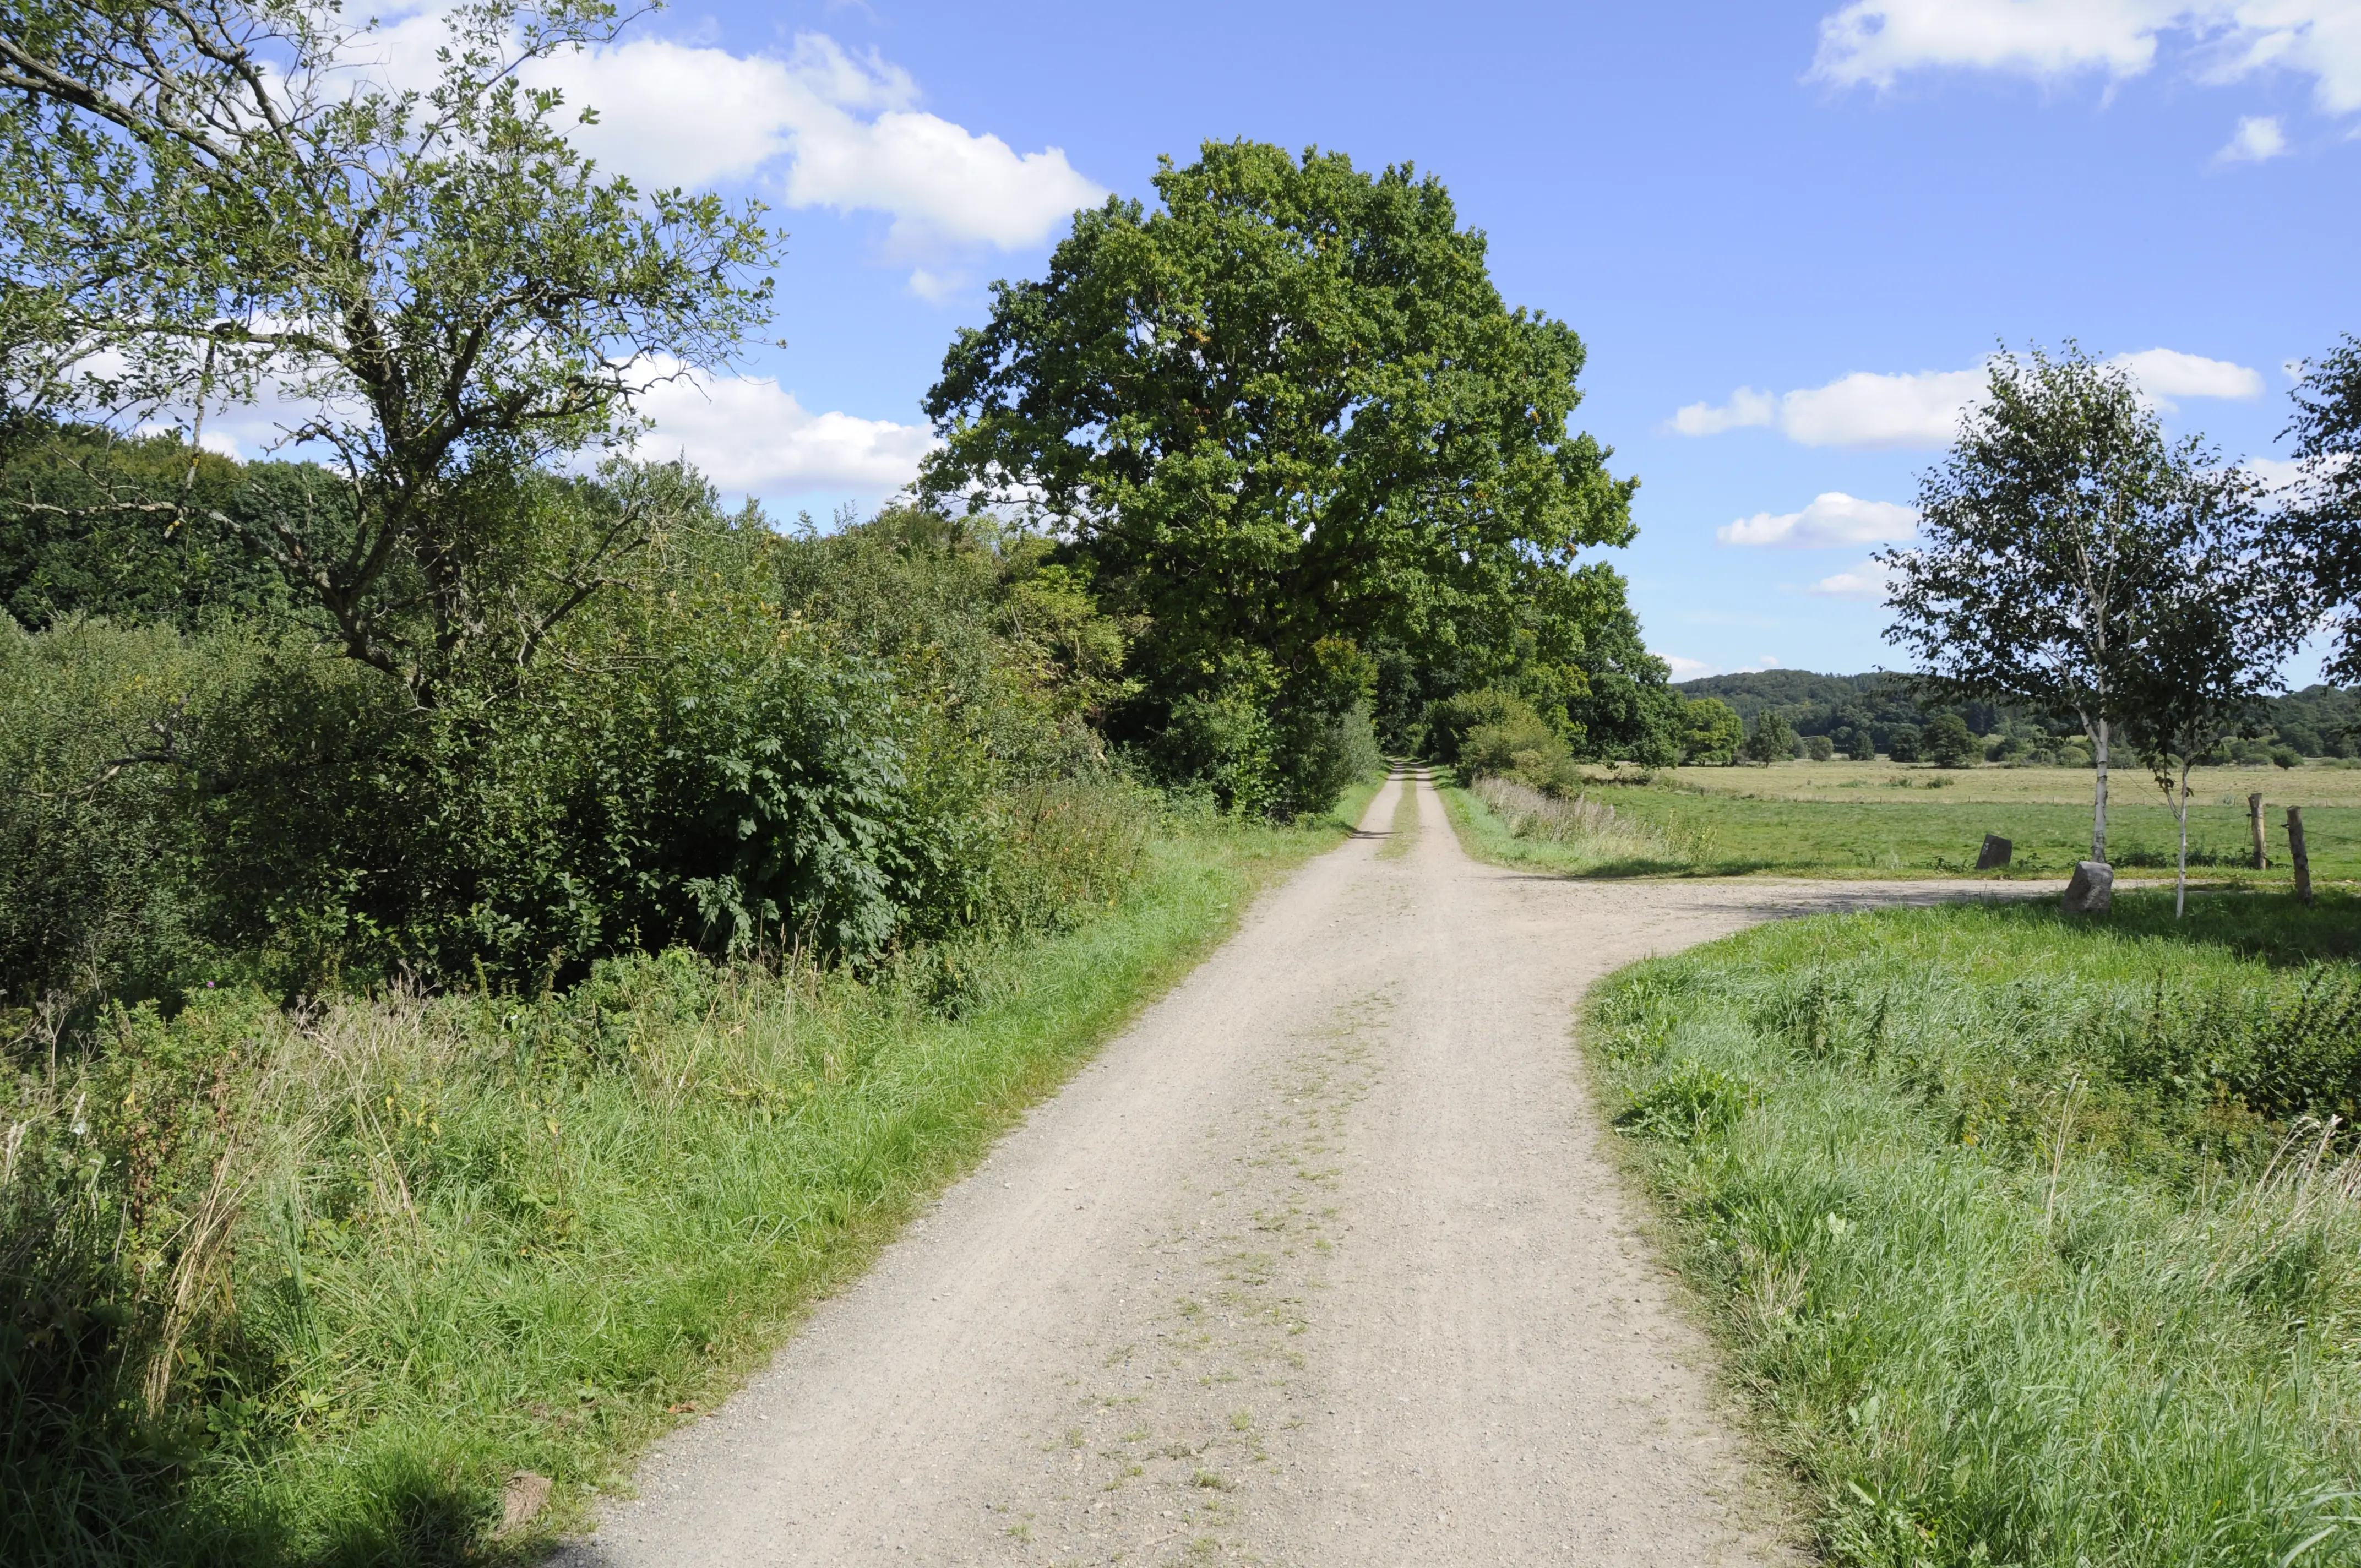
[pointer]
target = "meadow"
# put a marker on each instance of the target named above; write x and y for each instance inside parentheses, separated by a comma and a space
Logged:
(1868, 820)
(2030, 1240)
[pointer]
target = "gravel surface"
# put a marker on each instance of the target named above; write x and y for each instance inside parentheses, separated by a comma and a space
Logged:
(1321, 1262)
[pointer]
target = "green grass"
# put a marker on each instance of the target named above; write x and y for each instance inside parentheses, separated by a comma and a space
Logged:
(1999, 1217)
(475, 1234)
(1403, 830)
(1924, 836)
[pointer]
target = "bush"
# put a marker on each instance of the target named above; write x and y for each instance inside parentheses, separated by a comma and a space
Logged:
(1859, 746)
(2285, 757)
(1820, 747)
(1904, 744)
(1519, 744)
(96, 844)
(1448, 720)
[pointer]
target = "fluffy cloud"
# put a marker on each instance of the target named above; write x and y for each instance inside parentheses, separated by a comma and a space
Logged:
(751, 436)
(2164, 374)
(1867, 582)
(824, 127)
(1878, 41)
(1869, 411)
(1685, 669)
(2258, 137)
(847, 131)
(1833, 518)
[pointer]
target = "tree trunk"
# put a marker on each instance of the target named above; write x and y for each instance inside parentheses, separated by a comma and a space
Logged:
(2097, 730)
(2180, 809)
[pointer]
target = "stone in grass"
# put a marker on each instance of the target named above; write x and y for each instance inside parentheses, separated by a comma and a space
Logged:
(1996, 853)
(520, 1499)
(2093, 891)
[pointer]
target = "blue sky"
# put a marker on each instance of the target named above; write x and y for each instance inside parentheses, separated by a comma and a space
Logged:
(1802, 223)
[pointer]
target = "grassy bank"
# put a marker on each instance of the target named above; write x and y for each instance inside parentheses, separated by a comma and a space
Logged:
(1798, 822)
(2022, 1234)
(361, 1264)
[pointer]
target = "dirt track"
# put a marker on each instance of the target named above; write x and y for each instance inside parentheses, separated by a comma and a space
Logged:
(1321, 1263)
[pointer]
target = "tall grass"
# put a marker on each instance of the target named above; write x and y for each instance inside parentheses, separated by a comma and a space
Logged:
(306, 1287)
(2034, 1242)
(1575, 830)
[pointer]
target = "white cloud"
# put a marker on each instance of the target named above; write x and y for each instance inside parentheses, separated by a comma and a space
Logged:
(749, 435)
(1746, 407)
(2164, 374)
(823, 127)
(2258, 137)
(1867, 582)
(846, 132)
(1832, 518)
(1685, 669)
(1868, 410)
(1876, 42)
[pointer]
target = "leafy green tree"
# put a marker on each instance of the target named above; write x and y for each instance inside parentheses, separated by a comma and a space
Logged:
(198, 203)
(2208, 637)
(1950, 743)
(1860, 745)
(1711, 732)
(2040, 539)
(2320, 528)
(1905, 744)
(70, 545)
(1773, 739)
(1287, 420)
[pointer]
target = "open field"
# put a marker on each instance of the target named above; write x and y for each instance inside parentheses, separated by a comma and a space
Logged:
(2313, 785)
(2021, 1233)
(1881, 820)
(475, 1234)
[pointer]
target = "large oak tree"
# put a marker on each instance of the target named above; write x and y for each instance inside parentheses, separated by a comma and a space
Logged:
(1285, 418)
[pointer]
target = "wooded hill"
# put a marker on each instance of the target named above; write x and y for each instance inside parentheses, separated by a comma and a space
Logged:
(2318, 721)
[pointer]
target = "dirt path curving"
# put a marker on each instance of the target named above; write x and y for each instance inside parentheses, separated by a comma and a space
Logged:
(1320, 1262)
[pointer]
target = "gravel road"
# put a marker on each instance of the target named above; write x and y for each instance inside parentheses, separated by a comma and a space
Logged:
(1321, 1263)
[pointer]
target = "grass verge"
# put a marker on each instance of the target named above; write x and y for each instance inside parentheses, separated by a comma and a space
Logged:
(2032, 1241)
(415, 1244)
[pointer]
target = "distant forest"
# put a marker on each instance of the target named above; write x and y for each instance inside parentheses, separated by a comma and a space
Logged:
(2318, 721)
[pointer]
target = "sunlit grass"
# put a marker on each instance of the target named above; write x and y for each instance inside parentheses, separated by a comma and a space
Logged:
(478, 1233)
(2022, 1232)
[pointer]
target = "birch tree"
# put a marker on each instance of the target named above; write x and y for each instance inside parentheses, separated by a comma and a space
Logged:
(2040, 535)
(2207, 638)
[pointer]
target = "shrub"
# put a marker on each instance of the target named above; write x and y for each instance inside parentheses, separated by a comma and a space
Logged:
(95, 845)
(1905, 744)
(2285, 757)
(1859, 746)
(1820, 747)
(1520, 745)
(1448, 720)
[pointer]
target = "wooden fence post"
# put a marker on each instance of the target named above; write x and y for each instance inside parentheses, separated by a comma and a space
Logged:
(2301, 861)
(2262, 834)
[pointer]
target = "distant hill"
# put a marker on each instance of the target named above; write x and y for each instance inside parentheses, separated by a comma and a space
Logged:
(2319, 721)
